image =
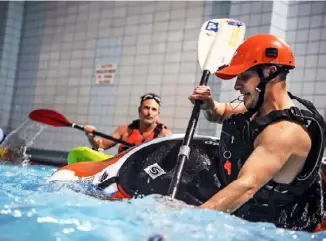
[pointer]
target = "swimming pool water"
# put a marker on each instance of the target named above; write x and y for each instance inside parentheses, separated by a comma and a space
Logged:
(30, 209)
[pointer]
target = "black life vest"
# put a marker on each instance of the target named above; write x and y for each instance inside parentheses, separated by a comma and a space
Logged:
(299, 205)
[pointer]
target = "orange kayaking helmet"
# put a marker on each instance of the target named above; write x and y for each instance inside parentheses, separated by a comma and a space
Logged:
(257, 50)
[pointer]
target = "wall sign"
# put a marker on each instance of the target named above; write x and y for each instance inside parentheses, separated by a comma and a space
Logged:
(105, 74)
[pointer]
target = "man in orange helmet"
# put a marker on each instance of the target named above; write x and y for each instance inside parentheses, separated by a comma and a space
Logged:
(270, 150)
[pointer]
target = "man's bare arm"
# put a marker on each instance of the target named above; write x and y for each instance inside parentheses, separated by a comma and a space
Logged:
(263, 164)
(221, 111)
(117, 133)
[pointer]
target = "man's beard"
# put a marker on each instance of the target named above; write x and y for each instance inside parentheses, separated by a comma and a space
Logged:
(149, 122)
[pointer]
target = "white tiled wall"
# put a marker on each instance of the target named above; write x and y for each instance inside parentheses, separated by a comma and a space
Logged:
(11, 22)
(154, 45)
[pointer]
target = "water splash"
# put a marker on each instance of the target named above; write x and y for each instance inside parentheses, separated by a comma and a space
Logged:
(30, 210)
(13, 149)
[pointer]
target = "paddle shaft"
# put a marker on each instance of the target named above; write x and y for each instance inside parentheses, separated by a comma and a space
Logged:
(185, 149)
(53, 118)
(96, 133)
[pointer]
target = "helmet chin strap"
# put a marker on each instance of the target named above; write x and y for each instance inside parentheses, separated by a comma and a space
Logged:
(261, 87)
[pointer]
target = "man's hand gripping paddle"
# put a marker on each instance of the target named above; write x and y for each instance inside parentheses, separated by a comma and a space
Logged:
(53, 118)
(218, 41)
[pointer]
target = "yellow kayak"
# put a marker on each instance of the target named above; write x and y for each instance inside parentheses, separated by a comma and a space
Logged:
(86, 154)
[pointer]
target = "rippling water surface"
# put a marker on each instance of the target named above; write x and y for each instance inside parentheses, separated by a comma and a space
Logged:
(33, 210)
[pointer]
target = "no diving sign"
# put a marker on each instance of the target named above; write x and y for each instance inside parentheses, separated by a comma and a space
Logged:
(105, 74)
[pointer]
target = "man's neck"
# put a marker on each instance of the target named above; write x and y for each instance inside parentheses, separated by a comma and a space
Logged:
(276, 98)
(146, 128)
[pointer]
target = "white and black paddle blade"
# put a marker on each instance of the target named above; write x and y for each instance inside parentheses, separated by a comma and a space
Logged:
(218, 41)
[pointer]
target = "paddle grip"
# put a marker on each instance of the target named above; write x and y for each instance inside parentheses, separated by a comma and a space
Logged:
(184, 155)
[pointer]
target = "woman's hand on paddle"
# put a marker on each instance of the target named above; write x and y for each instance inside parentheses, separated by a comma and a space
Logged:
(203, 93)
